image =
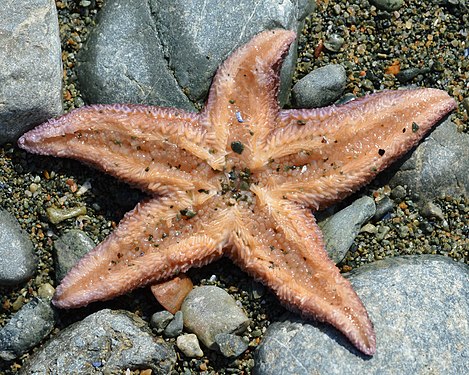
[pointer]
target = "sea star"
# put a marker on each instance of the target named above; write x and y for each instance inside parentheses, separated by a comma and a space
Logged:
(238, 179)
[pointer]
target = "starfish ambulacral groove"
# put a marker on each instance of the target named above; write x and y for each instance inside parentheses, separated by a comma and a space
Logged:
(238, 179)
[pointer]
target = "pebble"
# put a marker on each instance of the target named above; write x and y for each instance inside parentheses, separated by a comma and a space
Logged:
(46, 291)
(383, 207)
(175, 326)
(230, 345)
(334, 42)
(31, 69)
(420, 317)
(189, 345)
(69, 249)
(27, 328)
(319, 88)
(108, 341)
(57, 215)
(160, 320)
(409, 74)
(209, 310)
(389, 5)
(431, 210)
(17, 259)
(340, 229)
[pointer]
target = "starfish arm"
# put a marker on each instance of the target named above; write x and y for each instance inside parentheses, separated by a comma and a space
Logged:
(338, 149)
(280, 244)
(153, 242)
(138, 144)
(242, 102)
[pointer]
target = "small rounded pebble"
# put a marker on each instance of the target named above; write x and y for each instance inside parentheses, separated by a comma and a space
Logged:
(230, 345)
(209, 310)
(174, 328)
(46, 291)
(160, 320)
(189, 345)
(319, 88)
(388, 5)
(57, 215)
(334, 42)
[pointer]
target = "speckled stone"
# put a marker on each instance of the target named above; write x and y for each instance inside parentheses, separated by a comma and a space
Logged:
(189, 345)
(27, 328)
(17, 259)
(209, 310)
(230, 345)
(105, 342)
(419, 306)
(31, 66)
(320, 88)
(340, 229)
(69, 249)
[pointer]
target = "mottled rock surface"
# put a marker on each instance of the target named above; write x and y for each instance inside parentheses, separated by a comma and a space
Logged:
(31, 66)
(420, 309)
(104, 342)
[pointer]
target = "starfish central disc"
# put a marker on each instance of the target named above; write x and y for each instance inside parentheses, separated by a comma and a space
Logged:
(236, 186)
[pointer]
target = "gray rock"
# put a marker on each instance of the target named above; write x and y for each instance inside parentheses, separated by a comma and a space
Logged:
(419, 306)
(384, 206)
(388, 5)
(175, 326)
(160, 320)
(320, 88)
(17, 260)
(27, 328)
(189, 345)
(166, 52)
(104, 342)
(209, 310)
(69, 249)
(340, 229)
(230, 345)
(438, 166)
(31, 68)
(124, 60)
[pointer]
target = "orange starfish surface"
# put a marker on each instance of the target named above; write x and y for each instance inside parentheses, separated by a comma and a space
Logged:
(238, 179)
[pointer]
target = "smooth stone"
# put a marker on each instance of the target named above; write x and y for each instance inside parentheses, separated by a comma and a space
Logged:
(57, 215)
(105, 342)
(17, 259)
(166, 52)
(320, 88)
(123, 60)
(27, 328)
(389, 5)
(383, 207)
(69, 249)
(340, 229)
(334, 42)
(437, 167)
(160, 320)
(231, 346)
(419, 306)
(175, 326)
(189, 345)
(171, 293)
(46, 291)
(209, 310)
(31, 68)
